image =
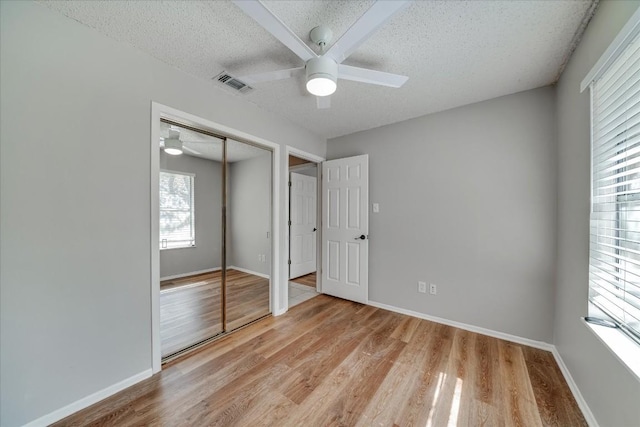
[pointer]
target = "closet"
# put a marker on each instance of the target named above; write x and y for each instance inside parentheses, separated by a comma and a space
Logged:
(215, 235)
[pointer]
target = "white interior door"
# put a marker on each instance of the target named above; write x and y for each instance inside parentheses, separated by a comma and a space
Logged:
(345, 228)
(303, 198)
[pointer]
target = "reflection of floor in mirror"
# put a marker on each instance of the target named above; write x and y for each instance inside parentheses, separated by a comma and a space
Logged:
(190, 307)
(308, 280)
(299, 293)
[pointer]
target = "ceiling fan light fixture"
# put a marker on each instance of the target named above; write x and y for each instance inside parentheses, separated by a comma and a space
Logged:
(321, 76)
(321, 86)
(173, 145)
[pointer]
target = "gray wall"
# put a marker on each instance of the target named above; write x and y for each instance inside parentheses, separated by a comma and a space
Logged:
(468, 202)
(611, 392)
(75, 220)
(249, 213)
(208, 215)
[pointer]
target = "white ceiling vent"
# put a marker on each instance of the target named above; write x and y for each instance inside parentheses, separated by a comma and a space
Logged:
(232, 82)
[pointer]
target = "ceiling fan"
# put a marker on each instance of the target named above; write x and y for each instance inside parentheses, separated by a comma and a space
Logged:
(173, 144)
(323, 71)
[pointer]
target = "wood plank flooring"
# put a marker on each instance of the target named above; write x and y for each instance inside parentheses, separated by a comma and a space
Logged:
(190, 307)
(307, 280)
(334, 362)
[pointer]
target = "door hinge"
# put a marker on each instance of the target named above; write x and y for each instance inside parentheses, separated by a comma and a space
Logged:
(289, 223)
(289, 183)
(289, 262)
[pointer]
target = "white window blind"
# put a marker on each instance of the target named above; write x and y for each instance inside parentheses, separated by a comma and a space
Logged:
(177, 222)
(614, 263)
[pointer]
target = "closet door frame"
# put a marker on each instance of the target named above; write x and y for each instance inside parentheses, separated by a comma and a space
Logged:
(158, 112)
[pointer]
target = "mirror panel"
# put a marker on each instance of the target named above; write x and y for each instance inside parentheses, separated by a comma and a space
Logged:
(191, 240)
(248, 240)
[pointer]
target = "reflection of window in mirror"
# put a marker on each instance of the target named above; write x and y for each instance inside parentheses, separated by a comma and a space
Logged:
(177, 219)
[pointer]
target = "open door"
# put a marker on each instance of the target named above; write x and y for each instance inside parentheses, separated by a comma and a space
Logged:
(303, 224)
(345, 228)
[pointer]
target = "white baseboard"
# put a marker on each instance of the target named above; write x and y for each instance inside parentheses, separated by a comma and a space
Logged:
(586, 411)
(501, 335)
(87, 401)
(245, 270)
(192, 273)
(279, 312)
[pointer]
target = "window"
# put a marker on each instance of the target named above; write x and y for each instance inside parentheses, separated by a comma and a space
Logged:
(614, 254)
(177, 226)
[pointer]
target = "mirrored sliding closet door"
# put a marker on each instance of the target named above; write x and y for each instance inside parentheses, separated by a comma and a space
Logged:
(215, 236)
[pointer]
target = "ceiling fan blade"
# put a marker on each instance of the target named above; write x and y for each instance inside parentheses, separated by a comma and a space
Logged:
(374, 18)
(323, 102)
(263, 16)
(365, 75)
(271, 76)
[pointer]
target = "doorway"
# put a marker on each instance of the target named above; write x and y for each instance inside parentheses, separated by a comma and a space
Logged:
(304, 227)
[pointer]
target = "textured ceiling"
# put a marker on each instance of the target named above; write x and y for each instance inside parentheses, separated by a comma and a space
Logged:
(454, 52)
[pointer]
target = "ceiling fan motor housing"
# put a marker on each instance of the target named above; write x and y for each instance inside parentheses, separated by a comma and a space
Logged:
(321, 68)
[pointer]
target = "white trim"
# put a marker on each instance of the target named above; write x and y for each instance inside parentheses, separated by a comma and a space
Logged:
(628, 32)
(289, 150)
(491, 333)
(156, 353)
(87, 401)
(191, 273)
(277, 286)
(246, 270)
(303, 155)
(586, 411)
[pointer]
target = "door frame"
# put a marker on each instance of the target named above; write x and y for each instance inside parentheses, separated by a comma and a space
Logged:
(288, 150)
(277, 286)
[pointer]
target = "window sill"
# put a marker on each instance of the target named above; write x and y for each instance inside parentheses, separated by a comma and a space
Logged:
(620, 345)
(177, 247)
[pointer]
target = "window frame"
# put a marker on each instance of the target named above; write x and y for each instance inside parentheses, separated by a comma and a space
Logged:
(192, 179)
(622, 202)
(624, 345)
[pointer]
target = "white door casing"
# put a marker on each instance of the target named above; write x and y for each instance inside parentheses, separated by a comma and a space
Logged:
(345, 228)
(303, 224)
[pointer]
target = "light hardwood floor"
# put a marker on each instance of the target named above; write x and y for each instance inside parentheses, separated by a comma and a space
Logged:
(333, 362)
(307, 280)
(190, 307)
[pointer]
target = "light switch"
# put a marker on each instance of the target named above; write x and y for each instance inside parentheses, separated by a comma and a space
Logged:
(376, 208)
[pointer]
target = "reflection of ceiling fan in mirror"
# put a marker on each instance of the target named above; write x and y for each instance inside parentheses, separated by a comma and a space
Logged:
(173, 144)
(322, 71)
(198, 144)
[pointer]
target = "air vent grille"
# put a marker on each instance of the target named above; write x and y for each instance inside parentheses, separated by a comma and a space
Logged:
(230, 81)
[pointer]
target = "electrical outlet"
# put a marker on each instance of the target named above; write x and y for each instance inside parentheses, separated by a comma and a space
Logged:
(433, 289)
(376, 208)
(259, 257)
(422, 287)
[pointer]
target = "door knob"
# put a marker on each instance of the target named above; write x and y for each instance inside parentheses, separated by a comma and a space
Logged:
(314, 229)
(361, 237)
